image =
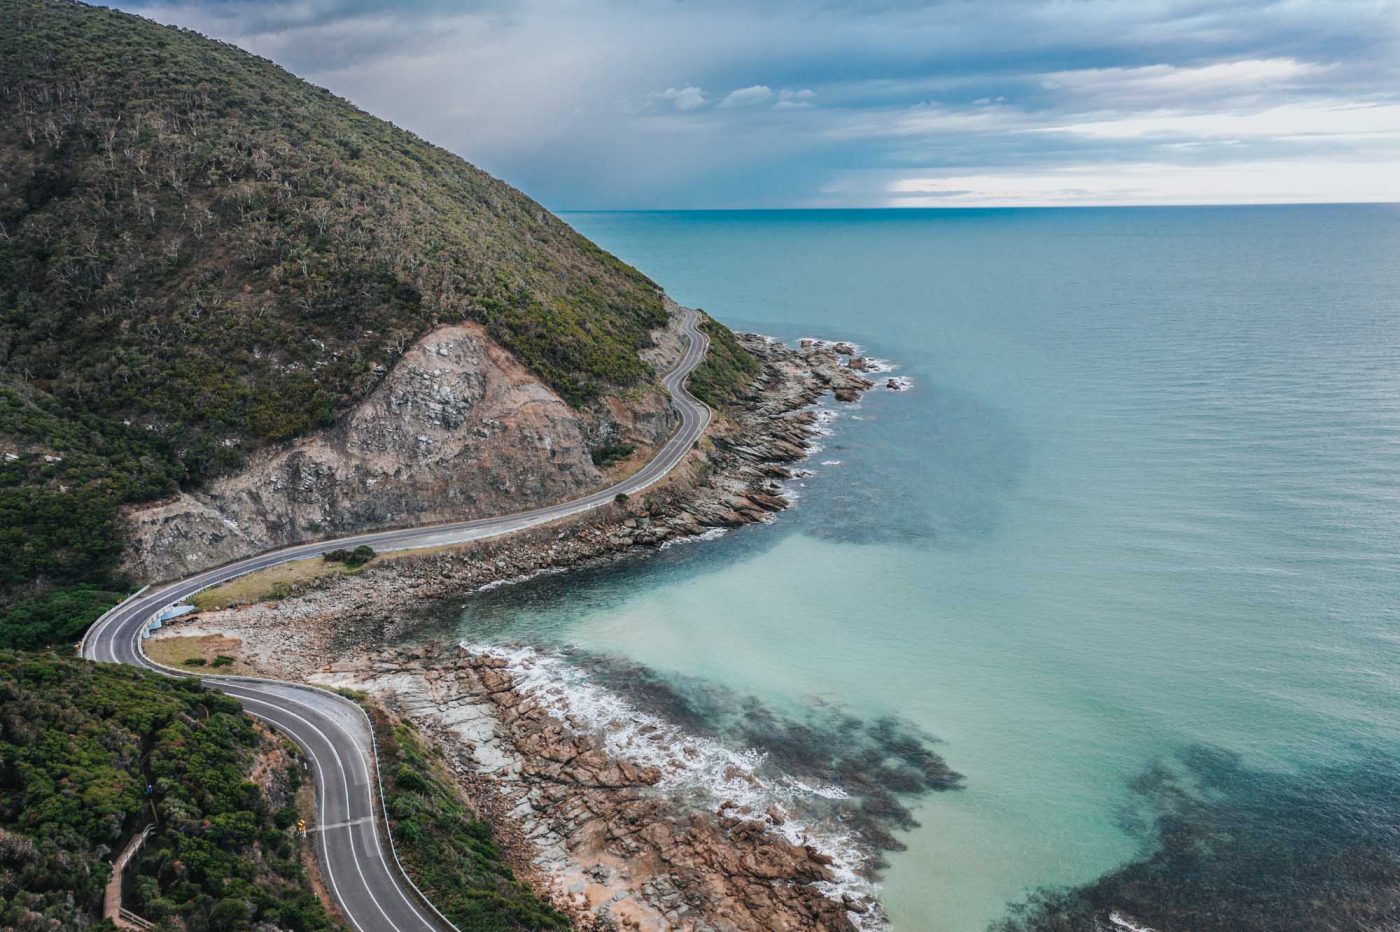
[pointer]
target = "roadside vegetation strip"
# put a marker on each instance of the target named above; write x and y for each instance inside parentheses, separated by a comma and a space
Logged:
(726, 369)
(273, 582)
(448, 850)
(212, 651)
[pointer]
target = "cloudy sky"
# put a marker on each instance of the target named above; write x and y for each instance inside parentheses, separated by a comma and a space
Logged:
(857, 103)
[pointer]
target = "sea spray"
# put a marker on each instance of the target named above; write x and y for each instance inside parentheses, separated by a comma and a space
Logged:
(1123, 922)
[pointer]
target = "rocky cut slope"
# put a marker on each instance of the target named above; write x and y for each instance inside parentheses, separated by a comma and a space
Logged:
(458, 428)
(227, 290)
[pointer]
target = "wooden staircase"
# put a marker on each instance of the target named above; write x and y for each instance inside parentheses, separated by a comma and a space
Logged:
(112, 896)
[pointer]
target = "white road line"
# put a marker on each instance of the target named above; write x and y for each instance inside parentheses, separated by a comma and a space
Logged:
(328, 828)
(363, 761)
(320, 776)
(345, 786)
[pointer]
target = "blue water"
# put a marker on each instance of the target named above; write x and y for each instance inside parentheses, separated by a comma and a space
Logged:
(1142, 504)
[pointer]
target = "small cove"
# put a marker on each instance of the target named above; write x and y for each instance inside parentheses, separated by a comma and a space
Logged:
(1125, 557)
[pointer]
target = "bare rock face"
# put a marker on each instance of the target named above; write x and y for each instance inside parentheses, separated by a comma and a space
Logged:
(458, 429)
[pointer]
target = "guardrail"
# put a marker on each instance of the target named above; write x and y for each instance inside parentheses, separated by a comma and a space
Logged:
(131, 919)
(82, 641)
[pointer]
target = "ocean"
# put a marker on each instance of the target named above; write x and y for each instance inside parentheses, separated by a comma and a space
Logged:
(1099, 623)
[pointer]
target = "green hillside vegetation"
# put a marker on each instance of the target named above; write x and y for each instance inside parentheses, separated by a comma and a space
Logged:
(727, 369)
(79, 742)
(201, 254)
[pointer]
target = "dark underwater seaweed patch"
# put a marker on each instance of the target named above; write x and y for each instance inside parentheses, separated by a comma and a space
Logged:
(1235, 849)
(885, 764)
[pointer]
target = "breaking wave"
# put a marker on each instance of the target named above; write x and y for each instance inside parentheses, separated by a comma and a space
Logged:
(697, 769)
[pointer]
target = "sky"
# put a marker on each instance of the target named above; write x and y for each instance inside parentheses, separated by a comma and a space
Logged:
(670, 104)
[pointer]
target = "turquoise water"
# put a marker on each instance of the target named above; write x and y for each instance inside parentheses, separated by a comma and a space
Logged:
(1142, 508)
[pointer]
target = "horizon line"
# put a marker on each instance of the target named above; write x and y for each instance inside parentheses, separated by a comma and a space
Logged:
(968, 207)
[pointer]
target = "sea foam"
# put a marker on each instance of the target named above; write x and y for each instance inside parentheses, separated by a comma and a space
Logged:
(696, 770)
(714, 533)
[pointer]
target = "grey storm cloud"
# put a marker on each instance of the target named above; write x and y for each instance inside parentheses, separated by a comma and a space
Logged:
(722, 103)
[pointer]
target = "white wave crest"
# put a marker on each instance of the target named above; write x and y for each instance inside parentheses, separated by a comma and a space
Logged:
(516, 580)
(697, 769)
(713, 533)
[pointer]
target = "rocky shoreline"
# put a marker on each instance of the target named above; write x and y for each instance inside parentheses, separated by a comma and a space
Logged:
(591, 826)
(587, 820)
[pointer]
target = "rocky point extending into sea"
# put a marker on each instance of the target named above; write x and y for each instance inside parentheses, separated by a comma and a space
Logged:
(587, 820)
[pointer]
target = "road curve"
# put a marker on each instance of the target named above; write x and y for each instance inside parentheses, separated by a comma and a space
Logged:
(357, 857)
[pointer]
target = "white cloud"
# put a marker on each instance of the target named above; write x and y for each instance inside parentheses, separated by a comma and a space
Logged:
(689, 97)
(1162, 83)
(924, 120)
(748, 96)
(1302, 120)
(1265, 181)
(795, 100)
(760, 94)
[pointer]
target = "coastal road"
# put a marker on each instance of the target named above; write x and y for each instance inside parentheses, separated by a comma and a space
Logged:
(357, 857)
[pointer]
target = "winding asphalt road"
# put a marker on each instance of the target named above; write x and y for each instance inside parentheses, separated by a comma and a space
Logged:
(357, 857)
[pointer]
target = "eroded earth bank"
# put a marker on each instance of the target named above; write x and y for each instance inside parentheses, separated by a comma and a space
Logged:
(622, 817)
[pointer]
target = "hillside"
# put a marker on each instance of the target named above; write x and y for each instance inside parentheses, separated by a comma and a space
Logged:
(79, 743)
(205, 260)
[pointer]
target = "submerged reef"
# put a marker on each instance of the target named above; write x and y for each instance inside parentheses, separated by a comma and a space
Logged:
(1236, 849)
(881, 765)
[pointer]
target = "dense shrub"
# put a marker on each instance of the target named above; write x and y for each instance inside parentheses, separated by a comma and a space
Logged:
(58, 615)
(79, 743)
(610, 453)
(352, 558)
(727, 369)
(64, 475)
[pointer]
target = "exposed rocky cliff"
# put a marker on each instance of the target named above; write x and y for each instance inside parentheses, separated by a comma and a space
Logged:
(209, 266)
(457, 429)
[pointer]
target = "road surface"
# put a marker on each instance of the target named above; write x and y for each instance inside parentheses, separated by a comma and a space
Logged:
(357, 857)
